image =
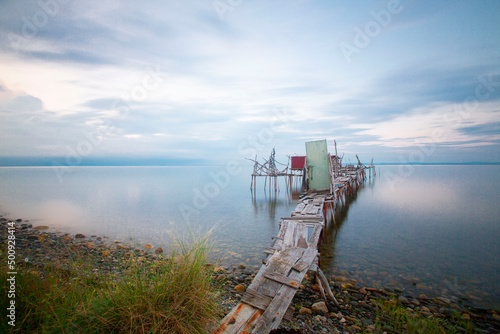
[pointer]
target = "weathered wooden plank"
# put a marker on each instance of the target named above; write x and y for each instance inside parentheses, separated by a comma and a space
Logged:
(300, 207)
(326, 286)
(304, 217)
(283, 280)
(306, 259)
(289, 237)
(315, 235)
(236, 319)
(281, 262)
(261, 302)
(273, 315)
(301, 235)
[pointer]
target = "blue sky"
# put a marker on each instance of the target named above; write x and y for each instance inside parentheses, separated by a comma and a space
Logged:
(213, 81)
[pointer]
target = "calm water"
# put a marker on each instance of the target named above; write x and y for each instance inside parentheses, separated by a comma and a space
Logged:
(423, 229)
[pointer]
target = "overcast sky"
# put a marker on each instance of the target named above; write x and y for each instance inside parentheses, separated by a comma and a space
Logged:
(214, 81)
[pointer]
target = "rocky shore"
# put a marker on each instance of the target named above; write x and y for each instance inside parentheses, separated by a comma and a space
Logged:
(361, 308)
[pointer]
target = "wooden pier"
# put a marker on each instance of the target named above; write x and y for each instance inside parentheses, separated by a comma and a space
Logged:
(294, 252)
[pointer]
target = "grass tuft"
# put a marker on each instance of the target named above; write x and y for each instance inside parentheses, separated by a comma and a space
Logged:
(170, 295)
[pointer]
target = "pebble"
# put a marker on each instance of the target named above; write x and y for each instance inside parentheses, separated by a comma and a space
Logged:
(159, 250)
(239, 287)
(320, 307)
(305, 310)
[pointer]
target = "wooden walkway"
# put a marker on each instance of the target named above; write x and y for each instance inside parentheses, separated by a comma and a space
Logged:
(295, 251)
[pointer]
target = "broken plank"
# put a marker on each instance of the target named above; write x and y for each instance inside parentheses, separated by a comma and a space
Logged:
(236, 319)
(283, 279)
(306, 259)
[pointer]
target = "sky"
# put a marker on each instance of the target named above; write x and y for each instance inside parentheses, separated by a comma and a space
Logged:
(215, 81)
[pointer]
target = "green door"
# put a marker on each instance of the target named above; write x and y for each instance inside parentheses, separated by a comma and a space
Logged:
(319, 166)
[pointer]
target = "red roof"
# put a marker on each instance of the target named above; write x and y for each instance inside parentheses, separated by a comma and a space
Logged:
(298, 162)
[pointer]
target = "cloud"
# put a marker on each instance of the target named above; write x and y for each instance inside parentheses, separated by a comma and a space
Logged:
(446, 124)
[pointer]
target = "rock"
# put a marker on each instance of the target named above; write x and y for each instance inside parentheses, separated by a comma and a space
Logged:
(41, 227)
(118, 246)
(342, 320)
(90, 245)
(320, 307)
(316, 288)
(66, 238)
(239, 287)
(363, 291)
(320, 318)
(241, 266)
(221, 277)
(465, 316)
(159, 250)
(442, 300)
(148, 246)
(106, 253)
(79, 236)
(402, 300)
(340, 278)
(305, 310)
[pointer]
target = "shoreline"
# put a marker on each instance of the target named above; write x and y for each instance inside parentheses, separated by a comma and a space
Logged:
(360, 306)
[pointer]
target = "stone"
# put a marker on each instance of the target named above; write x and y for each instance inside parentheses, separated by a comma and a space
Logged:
(340, 278)
(79, 236)
(320, 307)
(239, 287)
(159, 250)
(106, 253)
(306, 311)
(241, 266)
(66, 238)
(41, 227)
(148, 246)
(465, 316)
(320, 318)
(443, 300)
(363, 291)
(90, 245)
(118, 246)
(316, 288)
(342, 320)
(402, 300)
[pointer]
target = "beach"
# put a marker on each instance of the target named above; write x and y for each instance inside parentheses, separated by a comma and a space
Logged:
(362, 308)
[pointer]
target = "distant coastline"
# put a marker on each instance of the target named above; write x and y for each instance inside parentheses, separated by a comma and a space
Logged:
(159, 162)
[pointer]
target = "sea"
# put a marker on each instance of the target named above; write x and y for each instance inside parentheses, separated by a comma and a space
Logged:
(417, 229)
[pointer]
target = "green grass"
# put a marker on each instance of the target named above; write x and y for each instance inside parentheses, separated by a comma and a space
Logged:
(394, 318)
(171, 295)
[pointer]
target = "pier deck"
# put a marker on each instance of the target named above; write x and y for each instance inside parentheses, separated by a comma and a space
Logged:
(295, 251)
